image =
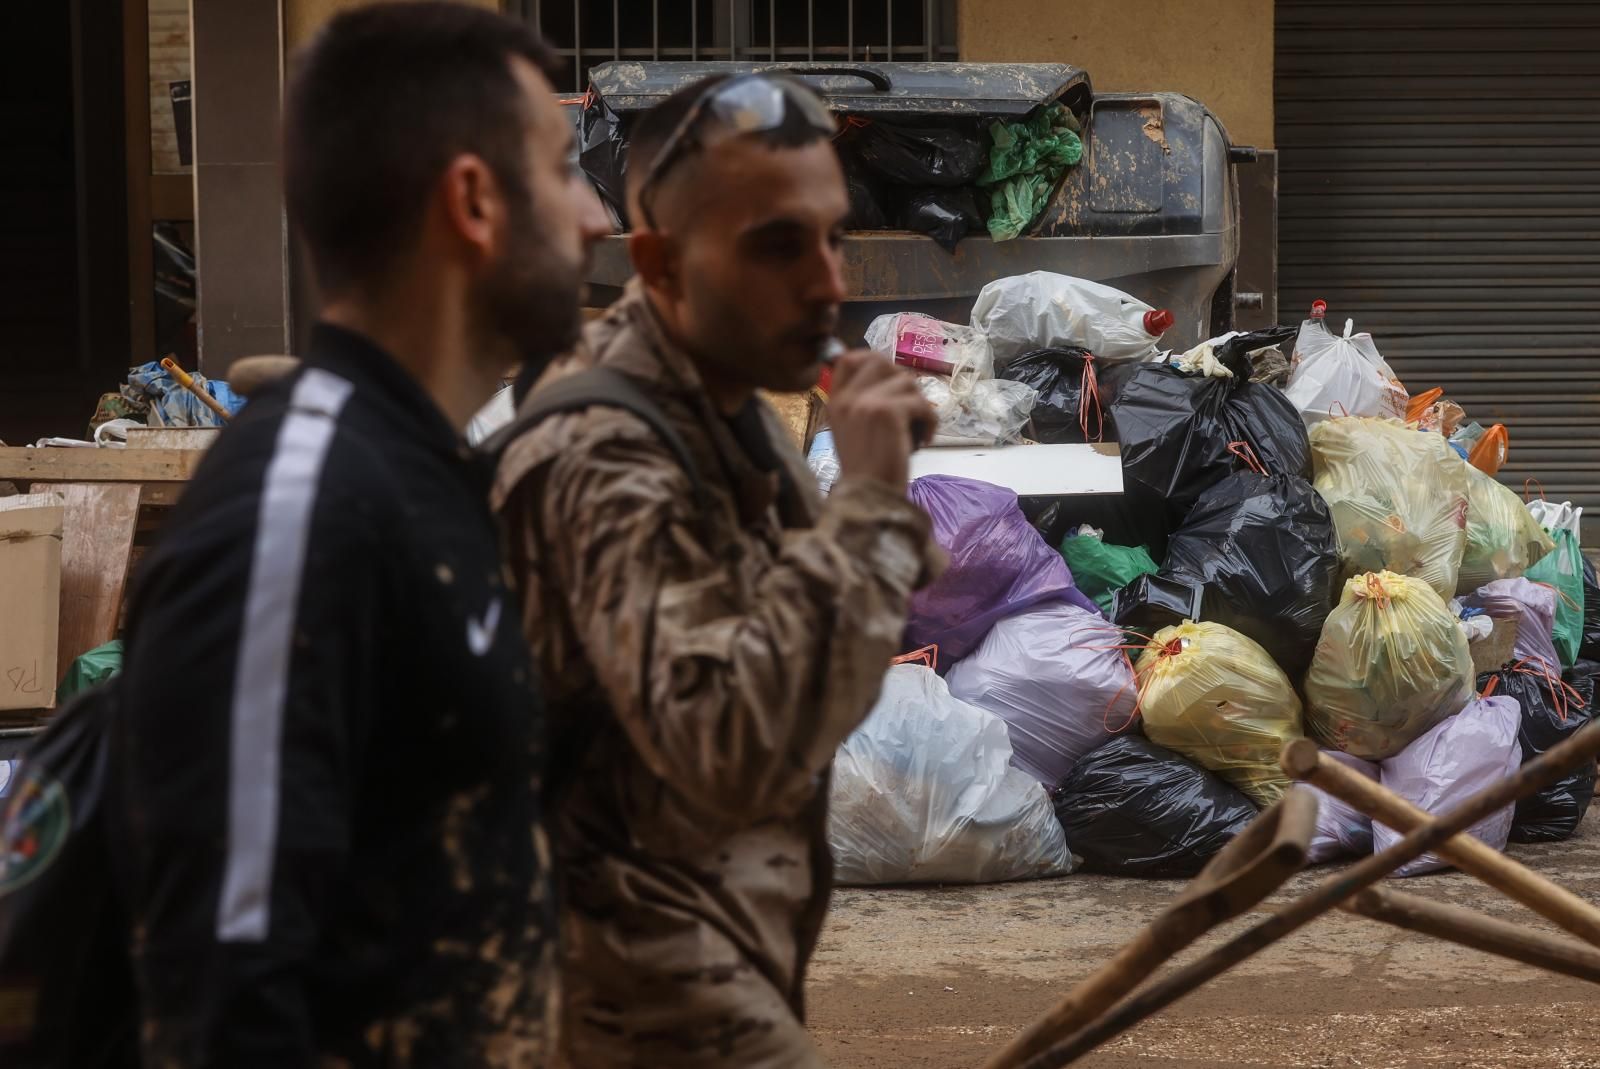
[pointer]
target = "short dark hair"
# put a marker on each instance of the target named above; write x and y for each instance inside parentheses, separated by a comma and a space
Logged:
(379, 103)
(649, 134)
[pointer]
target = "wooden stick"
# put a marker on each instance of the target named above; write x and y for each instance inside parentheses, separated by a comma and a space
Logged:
(1248, 869)
(1303, 761)
(1471, 929)
(186, 380)
(1542, 771)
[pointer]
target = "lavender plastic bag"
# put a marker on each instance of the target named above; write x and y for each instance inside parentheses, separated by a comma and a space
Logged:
(1341, 830)
(1055, 676)
(1456, 759)
(1532, 605)
(999, 566)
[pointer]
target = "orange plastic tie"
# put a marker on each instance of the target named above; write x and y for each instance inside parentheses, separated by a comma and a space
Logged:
(927, 656)
(1244, 452)
(1089, 396)
(1527, 486)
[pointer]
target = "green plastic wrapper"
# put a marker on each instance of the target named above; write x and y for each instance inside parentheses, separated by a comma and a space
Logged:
(1100, 569)
(1025, 162)
(1562, 568)
(91, 669)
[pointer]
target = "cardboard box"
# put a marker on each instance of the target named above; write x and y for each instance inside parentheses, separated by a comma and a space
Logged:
(30, 591)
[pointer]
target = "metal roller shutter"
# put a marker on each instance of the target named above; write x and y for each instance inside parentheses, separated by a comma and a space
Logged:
(1440, 183)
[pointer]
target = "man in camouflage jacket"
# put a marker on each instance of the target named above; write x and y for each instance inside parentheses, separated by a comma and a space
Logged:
(704, 656)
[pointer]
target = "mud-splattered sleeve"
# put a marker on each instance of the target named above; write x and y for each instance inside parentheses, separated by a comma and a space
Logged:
(735, 693)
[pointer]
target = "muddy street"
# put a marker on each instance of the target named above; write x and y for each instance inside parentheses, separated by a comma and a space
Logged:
(936, 978)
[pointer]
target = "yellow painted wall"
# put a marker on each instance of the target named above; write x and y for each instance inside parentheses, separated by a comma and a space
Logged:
(302, 18)
(1217, 51)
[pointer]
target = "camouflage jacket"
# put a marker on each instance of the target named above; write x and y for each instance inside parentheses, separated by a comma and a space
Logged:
(715, 662)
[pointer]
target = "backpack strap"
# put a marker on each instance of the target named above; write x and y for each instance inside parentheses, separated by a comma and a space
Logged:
(572, 733)
(605, 388)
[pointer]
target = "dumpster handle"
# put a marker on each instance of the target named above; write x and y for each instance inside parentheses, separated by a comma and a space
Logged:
(875, 75)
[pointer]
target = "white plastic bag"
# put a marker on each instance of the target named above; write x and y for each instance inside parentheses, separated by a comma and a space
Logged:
(823, 460)
(1341, 830)
(990, 412)
(924, 792)
(1042, 309)
(1055, 676)
(927, 344)
(1459, 757)
(1339, 376)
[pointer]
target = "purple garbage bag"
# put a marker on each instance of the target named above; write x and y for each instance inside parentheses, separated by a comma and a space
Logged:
(1456, 759)
(999, 566)
(1533, 606)
(1341, 829)
(1056, 676)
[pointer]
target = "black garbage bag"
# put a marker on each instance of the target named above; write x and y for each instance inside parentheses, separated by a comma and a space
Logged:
(866, 199)
(1074, 391)
(603, 153)
(945, 215)
(1177, 433)
(1550, 715)
(1152, 602)
(1131, 808)
(1265, 554)
(951, 155)
(1252, 340)
(1589, 644)
(64, 932)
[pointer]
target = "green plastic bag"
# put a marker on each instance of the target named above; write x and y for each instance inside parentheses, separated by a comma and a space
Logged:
(1100, 569)
(1562, 569)
(91, 669)
(1025, 162)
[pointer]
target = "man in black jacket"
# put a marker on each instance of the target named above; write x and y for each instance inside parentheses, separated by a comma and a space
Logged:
(330, 742)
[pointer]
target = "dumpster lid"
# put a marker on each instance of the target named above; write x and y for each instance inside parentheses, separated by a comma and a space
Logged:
(989, 89)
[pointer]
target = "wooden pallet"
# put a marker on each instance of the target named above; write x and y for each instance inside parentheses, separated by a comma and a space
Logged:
(115, 500)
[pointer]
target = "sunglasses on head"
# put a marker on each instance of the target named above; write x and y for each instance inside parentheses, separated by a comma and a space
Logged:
(741, 105)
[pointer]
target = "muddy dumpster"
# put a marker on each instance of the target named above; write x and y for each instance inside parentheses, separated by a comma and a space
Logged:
(1151, 208)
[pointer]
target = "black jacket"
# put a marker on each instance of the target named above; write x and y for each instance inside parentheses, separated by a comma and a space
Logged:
(332, 749)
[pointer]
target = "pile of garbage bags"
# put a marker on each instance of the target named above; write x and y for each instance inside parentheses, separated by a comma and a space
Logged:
(1302, 549)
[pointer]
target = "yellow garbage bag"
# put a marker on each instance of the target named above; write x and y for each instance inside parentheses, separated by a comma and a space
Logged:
(1392, 663)
(1216, 697)
(1503, 538)
(1398, 497)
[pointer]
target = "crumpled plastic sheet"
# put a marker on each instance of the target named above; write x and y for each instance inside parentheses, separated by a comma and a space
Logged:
(1056, 676)
(1450, 763)
(924, 792)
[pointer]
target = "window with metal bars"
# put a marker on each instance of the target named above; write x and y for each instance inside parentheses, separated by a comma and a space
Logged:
(591, 32)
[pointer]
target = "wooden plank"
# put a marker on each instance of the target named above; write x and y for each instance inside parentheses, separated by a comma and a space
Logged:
(159, 495)
(172, 437)
(98, 465)
(97, 537)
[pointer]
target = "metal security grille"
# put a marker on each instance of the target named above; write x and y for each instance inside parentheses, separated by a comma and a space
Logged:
(589, 32)
(1440, 182)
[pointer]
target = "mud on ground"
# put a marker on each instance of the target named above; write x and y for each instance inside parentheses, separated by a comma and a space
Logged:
(936, 978)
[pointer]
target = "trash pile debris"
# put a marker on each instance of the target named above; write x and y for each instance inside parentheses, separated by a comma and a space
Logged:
(1302, 549)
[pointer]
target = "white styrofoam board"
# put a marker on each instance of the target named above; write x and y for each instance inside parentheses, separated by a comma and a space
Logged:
(1029, 470)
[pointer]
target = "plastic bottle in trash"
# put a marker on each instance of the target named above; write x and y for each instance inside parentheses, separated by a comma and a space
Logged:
(1315, 323)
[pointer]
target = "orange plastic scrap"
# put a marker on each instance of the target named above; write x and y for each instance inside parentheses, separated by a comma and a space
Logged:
(1418, 405)
(1490, 451)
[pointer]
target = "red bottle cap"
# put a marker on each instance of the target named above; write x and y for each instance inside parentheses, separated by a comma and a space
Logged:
(1319, 309)
(1158, 321)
